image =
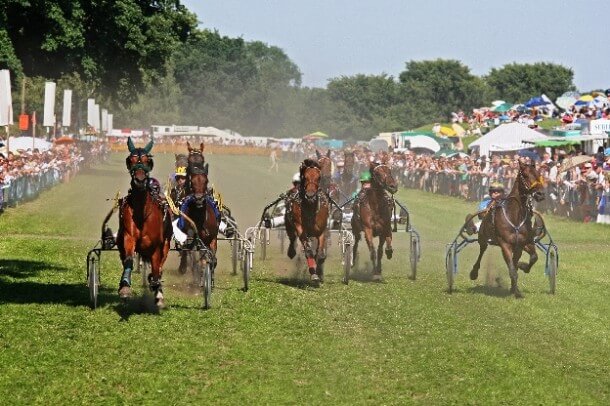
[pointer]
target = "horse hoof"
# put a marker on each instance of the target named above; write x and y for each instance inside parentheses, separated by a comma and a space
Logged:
(389, 252)
(524, 266)
(315, 278)
(161, 303)
(125, 292)
(518, 295)
(474, 274)
(291, 252)
(376, 277)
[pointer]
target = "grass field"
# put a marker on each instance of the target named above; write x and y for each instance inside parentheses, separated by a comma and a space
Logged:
(284, 342)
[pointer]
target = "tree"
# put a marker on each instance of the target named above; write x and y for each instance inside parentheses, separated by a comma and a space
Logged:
(520, 82)
(114, 46)
(441, 86)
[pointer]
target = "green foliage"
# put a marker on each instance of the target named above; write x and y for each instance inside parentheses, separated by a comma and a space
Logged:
(442, 86)
(520, 82)
(113, 45)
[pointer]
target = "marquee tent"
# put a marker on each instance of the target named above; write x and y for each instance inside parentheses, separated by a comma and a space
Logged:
(507, 137)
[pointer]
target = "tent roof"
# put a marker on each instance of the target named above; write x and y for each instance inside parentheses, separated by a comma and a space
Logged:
(507, 137)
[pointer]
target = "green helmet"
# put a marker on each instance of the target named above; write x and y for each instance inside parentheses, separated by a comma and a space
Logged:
(365, 176)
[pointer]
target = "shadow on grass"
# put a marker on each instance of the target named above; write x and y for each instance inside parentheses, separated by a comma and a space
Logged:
(22, 269)
(144, 304)
(497, 291)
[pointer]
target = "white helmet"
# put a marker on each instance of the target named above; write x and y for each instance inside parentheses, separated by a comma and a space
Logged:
(296, 177)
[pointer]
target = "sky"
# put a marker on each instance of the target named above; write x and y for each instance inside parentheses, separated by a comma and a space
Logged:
(332, 38)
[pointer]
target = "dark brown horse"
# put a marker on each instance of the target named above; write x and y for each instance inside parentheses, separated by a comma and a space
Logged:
(508, 224)
(144, 223)
(307, 217)
(199, 206)
(373, 215)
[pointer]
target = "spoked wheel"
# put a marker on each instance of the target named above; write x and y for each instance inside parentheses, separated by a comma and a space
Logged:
(264, 242)
(206, 282)
(414, 257)
(235, 245)
(246, 270)
(347, 262)
(93, 278)
(281, 234)
(552, 262)
(450, 265)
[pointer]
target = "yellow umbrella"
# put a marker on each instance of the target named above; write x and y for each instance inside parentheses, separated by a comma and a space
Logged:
(586, 98)
(447, 131)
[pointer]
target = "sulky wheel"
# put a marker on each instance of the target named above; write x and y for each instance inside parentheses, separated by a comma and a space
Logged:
(552, 262)
(207, 285)
(264, 242)
(235, 247)
(246, 270)
(450, 267)
(347, 262)
(93, 278)
(413, 257)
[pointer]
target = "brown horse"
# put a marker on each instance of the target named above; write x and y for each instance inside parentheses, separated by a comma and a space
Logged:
(508, 224)
(326, 170)
(307, 217)
(144, 223)
(199, 206)
(373, 214)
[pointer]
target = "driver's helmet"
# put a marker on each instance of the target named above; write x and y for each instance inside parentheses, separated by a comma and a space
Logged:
(496, 187)
(180, 171)
(365, 176)
(296, 178)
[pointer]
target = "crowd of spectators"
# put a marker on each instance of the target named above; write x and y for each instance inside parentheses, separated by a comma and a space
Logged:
(25, 173)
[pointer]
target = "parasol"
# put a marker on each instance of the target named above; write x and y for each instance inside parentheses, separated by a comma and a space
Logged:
(63, 140)
(572, 161)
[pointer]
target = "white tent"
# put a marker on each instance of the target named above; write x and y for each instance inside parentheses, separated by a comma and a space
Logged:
(506, 137)
(26, 143)
(423, 141)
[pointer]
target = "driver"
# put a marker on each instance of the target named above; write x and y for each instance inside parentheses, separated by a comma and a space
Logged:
(496, 194)
(178, 192)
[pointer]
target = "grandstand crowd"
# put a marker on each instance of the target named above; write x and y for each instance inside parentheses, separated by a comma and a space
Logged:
(26, 173)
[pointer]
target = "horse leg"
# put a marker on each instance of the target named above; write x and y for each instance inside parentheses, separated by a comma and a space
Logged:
(531, 250)
(292, 236)
(377, 265)
(321, 256)
(474, 273)
(125, 283)
(389, 250)
(155, 277)
(511, 258)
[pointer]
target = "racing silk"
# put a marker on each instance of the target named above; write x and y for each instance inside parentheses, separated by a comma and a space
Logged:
(178, 193)
(209, 199)
(484, 204)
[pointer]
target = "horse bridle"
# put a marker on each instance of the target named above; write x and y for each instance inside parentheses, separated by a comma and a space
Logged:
(304, 181)
(531, 186)
(376, 178)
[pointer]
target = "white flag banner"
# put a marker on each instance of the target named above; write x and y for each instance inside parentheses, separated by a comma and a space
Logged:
(109, 124)
(91, 112)
(48, 119)
(6, 100)
(96, 117)
(66, 118)
(104, 120)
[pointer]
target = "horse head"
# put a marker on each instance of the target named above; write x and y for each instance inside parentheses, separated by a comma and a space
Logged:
(139, 162)
(181, 160)
(195, 158)
(310, 179)
(530, 181)
(349, 160)
(325, 164)
(381, 174)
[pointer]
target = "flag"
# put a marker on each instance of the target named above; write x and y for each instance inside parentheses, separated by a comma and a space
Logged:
(24, 122)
